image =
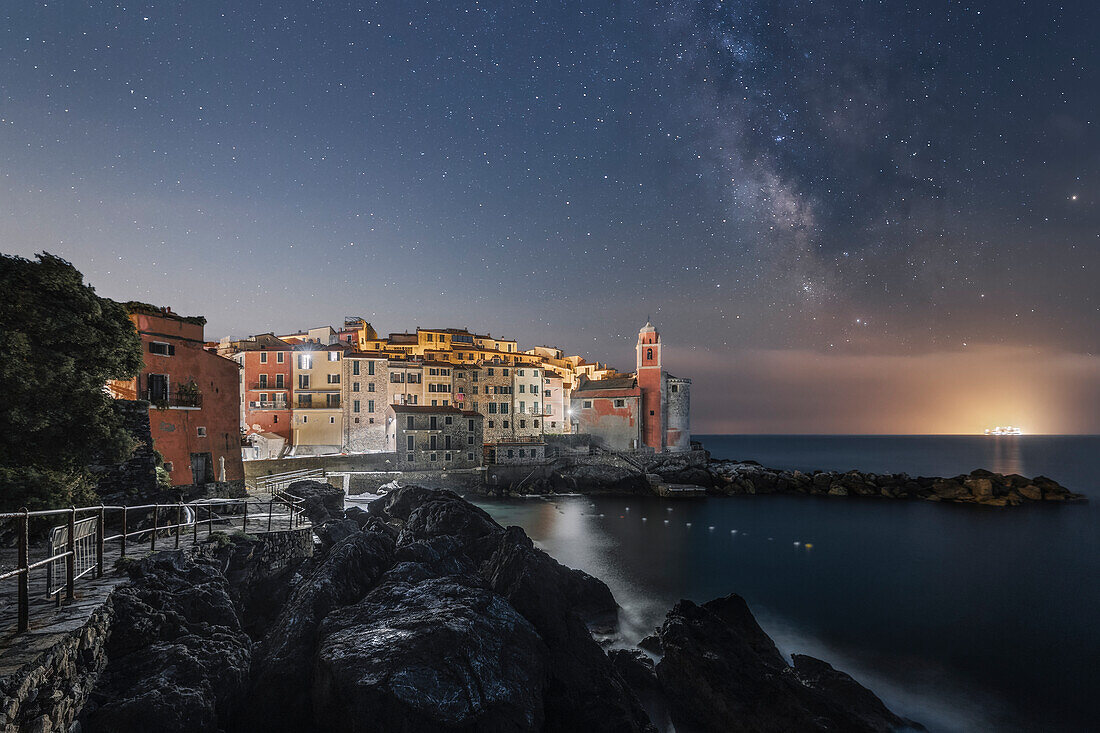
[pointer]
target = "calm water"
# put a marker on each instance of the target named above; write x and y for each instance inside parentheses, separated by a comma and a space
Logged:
(964, 618)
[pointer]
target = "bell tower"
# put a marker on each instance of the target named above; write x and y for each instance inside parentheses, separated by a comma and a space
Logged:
(650, 382)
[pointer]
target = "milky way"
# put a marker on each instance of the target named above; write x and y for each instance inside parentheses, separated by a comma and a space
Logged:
(839, 178)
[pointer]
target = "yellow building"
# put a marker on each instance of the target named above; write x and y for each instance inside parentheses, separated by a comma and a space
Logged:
(317, 413)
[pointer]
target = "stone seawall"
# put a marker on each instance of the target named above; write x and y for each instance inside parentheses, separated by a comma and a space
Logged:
(48, 673)
(467, 479)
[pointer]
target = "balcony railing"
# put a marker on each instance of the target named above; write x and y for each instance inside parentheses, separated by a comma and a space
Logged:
(267, 385)
(317, 406)
(260, 405)
(174, 399)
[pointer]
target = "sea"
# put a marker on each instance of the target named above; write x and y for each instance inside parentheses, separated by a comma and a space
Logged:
(963, 618)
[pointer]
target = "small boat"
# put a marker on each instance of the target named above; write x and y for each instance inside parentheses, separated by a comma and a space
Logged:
(1003, 430)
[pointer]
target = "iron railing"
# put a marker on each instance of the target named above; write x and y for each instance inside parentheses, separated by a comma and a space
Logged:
(281, 481)
(68, 561)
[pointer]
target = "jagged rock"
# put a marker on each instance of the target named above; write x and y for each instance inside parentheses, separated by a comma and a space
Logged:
(281, 691)
(322, 502)
(178, 658)
(436, 655)
(721, 672)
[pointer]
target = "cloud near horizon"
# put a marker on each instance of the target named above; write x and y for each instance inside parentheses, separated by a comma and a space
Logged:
(958, 392)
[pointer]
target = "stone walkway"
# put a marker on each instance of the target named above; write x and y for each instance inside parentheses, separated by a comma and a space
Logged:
(48, 618)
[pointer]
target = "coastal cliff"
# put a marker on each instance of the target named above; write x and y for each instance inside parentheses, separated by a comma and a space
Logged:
(424, 614)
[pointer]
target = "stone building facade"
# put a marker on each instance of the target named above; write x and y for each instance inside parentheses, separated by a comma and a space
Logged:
(366, 379)
(426, 438)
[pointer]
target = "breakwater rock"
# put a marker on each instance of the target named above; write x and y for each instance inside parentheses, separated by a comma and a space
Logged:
(977, 487)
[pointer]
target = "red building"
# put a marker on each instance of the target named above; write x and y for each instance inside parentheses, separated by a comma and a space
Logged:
(193, 396)
(649, 410)
(267, 384)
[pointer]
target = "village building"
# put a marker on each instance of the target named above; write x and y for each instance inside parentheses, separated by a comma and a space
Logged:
(434, 438)
(366, 388)
(406, 382)
(317, 407)
(529, 450)
(193, 395)
(266, 381)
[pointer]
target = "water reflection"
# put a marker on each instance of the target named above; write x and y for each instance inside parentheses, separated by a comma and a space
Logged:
(1006, 455)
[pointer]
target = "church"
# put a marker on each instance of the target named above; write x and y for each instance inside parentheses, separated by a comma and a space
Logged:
(649, 410)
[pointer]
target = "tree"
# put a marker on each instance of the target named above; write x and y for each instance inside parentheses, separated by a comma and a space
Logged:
(60, 344)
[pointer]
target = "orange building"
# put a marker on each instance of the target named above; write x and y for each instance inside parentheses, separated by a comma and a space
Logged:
(194, 411)
(267, 388)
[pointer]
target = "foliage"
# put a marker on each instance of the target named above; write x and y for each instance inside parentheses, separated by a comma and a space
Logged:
(164, 479)
(61, 345)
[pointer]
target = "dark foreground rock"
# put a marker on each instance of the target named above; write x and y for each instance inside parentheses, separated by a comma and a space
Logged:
(455, 623)
(720, 672)
(177, 655)
(423, 614)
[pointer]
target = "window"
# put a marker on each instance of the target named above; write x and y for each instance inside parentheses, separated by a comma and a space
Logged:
(275, 419)
(305, 400)
(522, 453)
(491, 372)
(370, 407)
(305, 361)
(469, 440)
(305, 418)
(473, 407)
(523, 423)
(370, 367)
(263, 397)
(409, 423)
(448, 420)
(490, 423)
(432, 457)
(492, 408)
(446, 456)
(511, 453)
(355, 367)
(674, 388)
(534, 372)
(469, 456)
(433, 423)
(522, 388)
(522, 405)
(332, 400)
(355, 386)
(263, 357)
(279, 381)
(332, 421)
(503, 408)
(649, 354)
(504, 372)
(651, 412)
(161, 349)
(519, 373)
(409, 443)
(504, 424)
(547, 409)
(333, 378)
(470, 425)
(334, 356)
(303, 381)
(435, 403)
(372, 421)
(536, 423)
(409, 457)
(620, 403)
(201, 431)
(279, 357)
(587, 404)
(432, 442)
(355, 406)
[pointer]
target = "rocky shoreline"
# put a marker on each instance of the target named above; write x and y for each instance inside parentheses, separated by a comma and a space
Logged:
(424, 614)
(729, 478)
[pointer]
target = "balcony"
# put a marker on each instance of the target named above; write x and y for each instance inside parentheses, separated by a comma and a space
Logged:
(317, 406)
(261, 405)
(267, 386)
(183, 400)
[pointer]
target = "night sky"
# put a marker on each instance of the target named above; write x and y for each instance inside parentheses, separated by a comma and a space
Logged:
(843, 216)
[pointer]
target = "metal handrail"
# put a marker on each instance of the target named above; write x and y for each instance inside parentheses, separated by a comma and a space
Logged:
(71, 546)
